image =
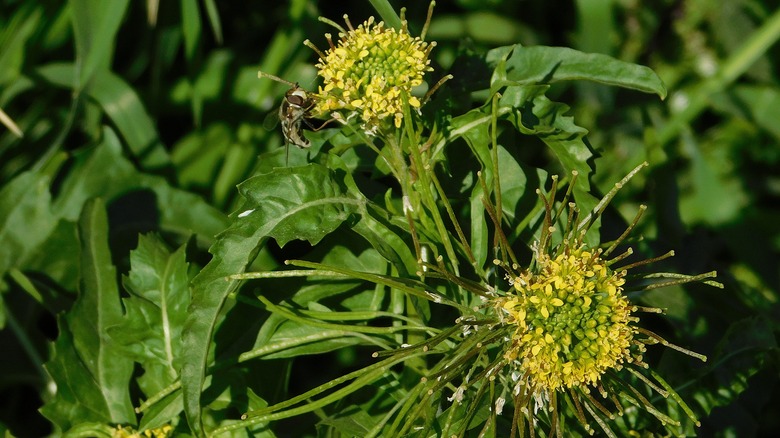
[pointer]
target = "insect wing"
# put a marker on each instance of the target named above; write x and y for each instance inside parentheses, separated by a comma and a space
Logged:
(271, 120)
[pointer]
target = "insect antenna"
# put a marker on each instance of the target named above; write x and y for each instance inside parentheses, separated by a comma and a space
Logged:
(261, 74)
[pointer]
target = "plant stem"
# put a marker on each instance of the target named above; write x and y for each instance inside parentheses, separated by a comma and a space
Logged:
(387, 12)
(756, 46)
(426, 192)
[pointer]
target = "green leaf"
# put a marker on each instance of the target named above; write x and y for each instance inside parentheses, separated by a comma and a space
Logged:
(95, 26)
(757, 103)
(748, 348)
(79, 397)
(291, 339)
(387, 240)
(91, 374)
(310, 203)
(161, 412)
(103, 171)
(198, 155)
(712, 180)
(374, 224)
(474, 128)
(368, 260)
(532, 113)
(150, 331)
(123, 106)
(519, 201)
(547, 65)
(288, 203)
(26, 218)
(14, 36)
(387, 12)
(514, 183)
(357, 424)
(191, 29)
(213, 14)
(280, 337)
(54, 256)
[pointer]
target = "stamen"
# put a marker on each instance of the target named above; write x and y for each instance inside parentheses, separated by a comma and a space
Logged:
(332, 23)
(628, 230)
(588, 220)
(311, 45)
(648, 261)
(330, 40)
(433, 89)
(349, 24)
(427, 21)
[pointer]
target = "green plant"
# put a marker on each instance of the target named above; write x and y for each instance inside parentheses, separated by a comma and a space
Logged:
(440, 261)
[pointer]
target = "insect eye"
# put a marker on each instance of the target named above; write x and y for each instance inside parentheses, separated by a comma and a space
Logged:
(294, 99)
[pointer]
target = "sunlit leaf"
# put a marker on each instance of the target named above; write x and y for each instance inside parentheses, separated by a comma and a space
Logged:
(309, 205)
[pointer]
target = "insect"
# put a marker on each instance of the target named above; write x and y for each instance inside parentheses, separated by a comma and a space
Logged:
(294, 111)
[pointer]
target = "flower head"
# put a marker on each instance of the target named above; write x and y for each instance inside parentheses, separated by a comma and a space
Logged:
(573, 321)
(370, 73)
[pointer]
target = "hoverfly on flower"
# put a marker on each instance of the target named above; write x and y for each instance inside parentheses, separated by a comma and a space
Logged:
(294, 111)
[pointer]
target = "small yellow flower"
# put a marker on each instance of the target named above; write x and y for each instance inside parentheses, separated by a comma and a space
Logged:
(128, 432)
(370, 73)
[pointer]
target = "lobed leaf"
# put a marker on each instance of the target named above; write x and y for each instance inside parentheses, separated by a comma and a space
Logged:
(532, 113)
(305, 211)
(150, 331)
(91, 374)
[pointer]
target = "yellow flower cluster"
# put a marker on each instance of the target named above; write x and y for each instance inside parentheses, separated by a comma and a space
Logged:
(128, 432)
(572, 320)
(371, 73)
